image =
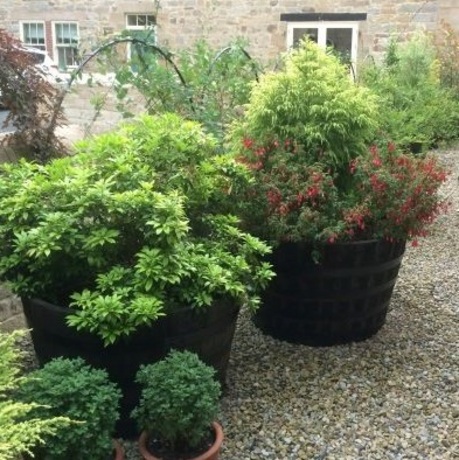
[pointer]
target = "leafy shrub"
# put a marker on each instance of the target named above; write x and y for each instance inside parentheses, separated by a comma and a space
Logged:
(305, 138)
(314, 102)
(385, 194)
(200, 83)
(179, 399)
(69, 387)
(415, 108)
(34, 104)
(133, 226)
(21, 428)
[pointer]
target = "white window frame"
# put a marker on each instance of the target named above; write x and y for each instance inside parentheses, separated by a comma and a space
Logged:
(322, 27)
(22, 35)
(139, 28)
(56, 46)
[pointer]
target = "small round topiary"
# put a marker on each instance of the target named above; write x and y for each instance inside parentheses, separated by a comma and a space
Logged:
(71, 388)
(179, 400)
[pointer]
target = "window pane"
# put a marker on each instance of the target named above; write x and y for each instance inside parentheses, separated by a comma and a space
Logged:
(341, 41)
(131, 20)
(66, 40)
(34, 34)
(298, 34)
(140, 20)
(66, 34)
(66, 57)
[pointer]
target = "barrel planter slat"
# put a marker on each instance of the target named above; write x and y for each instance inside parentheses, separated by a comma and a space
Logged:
(342, 298)
(209, 333)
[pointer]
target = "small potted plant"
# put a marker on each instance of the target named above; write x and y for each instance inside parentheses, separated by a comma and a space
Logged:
(13, 412)
(129, 248)
(337, 204)
(178, 409)
(70, 388)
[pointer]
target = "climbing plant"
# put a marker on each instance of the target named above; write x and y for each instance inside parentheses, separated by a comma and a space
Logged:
(200, 83)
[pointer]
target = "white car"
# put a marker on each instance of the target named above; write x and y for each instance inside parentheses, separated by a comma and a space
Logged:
(47, 67)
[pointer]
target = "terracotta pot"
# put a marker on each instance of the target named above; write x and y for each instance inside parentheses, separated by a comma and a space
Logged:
(212, 454)
(118, 450)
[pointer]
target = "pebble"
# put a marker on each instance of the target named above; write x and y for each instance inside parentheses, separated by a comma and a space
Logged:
(392, 397)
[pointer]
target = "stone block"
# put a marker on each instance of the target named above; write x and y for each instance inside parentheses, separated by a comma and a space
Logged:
(15, 322)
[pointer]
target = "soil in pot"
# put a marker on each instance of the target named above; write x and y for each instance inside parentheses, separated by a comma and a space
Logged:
(153, 449)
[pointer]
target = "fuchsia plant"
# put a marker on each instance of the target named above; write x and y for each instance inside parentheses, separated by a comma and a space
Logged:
(382, 194)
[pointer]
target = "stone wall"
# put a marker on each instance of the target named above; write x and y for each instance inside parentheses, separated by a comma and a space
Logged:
(96, 19)
(11, 316)
(449, 12)
(182, 22)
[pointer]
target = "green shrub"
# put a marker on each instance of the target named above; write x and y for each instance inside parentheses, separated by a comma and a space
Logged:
(22, 429)
(179, 399)
(69, 387)
(305, 137)
(199, 83)
(314, 102)
(446, 43)
(414, 106)
(135, 225)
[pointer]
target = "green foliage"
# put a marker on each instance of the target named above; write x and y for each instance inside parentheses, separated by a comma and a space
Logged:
(179, 399)
(209, 87)
(305, 138)
(21, 429)
(69, 387)
(136, 224)
(383, 194)
(314, 102)
(415, 108)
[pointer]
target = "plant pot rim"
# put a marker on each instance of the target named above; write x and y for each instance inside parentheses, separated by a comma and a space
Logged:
(209, 454)
(340, 242)
(119, 450)
(221, 300)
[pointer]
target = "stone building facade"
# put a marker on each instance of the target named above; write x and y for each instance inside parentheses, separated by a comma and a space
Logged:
(67, 28)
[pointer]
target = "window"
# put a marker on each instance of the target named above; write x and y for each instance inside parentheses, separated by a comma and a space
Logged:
(140, 21)
(66, 40)
(141, 26)
(33, 35)
(336, 30)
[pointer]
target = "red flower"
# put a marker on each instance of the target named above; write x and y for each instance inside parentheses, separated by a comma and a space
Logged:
(247, 142)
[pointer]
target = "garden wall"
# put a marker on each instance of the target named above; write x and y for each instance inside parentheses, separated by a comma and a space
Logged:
(11, 316)
(179, 23)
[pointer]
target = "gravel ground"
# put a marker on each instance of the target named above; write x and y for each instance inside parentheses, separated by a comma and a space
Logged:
(392, 397)
(395, 396)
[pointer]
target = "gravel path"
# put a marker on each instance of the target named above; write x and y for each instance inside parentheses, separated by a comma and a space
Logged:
(392, 397)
